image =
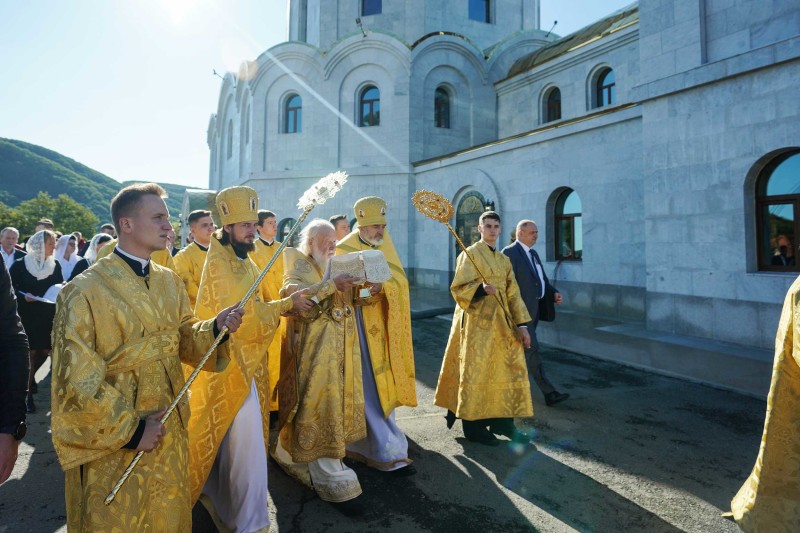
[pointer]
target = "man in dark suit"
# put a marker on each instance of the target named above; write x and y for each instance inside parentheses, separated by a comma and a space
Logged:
(532, 281)
(8, 246)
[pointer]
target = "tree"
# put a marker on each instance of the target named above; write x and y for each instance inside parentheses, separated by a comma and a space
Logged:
(67, 214)
(9, 217)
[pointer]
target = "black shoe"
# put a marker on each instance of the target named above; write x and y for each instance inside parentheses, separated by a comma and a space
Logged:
(450, 417)
(506, 427)
(555, 397)
(482, 436)
(34, 388)
(29, 405)
(351, 508)
(401, 472)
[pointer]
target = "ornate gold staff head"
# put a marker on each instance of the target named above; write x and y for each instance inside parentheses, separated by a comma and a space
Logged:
(433, 205)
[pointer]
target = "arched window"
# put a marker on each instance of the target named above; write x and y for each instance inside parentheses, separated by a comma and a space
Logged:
(371, 7)
(293, 115)
(441, 108)
(469, 210)
(552, 105)
(369, 106)
(284, 227)
(605, 89)
(778, 213)
(568, 227)
(480, 10)
(230, 138)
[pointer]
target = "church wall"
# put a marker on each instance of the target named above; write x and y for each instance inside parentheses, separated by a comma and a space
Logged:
(699, 146)
(523, 176)
(732, 28)
(520, 100)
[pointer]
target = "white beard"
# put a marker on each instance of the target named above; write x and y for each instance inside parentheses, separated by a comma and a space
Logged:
(321, 259)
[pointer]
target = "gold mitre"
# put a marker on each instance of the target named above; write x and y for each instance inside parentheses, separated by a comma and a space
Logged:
(237, 204)
(370, 210)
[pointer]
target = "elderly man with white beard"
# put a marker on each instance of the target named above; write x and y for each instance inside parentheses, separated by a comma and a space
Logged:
(320, 390)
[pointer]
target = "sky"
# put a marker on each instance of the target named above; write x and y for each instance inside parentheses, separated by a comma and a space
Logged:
(126, 87)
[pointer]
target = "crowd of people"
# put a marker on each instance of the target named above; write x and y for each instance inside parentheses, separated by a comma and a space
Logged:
(324, 358)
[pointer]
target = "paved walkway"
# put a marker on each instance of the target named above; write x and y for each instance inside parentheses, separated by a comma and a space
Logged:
(630, 451)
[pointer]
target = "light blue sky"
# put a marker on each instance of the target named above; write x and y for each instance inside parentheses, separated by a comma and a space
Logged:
(126, 87)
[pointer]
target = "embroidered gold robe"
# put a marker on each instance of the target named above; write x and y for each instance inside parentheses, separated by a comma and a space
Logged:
(387, 323)
(484, 374)
(217, 396)
(322, 396)
(769, 501)
(159, 257)
(189, 266)
(117, 351)
(271, 289)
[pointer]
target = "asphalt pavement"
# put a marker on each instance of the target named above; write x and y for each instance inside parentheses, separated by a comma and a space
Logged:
(629, 451)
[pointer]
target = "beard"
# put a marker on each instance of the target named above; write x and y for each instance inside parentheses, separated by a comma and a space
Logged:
(241, 247)
(320, 258)
(373, 242)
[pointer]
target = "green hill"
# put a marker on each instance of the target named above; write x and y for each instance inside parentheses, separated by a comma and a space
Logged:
(26, 169)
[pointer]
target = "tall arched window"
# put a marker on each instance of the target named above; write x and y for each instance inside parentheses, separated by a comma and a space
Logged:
(441, 108)
(552, 105)
(369, 106)
(568, 226)
(778, 213)
(371, 7)
(284, 227)
(605, 89)
(469, 210)
(230, 138)
(293, 115)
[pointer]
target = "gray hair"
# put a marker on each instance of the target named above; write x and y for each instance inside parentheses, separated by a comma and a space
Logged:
(310, 232)
(9, 228)
(524, 224)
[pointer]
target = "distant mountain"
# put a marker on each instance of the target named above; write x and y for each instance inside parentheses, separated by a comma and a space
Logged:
(26, 169)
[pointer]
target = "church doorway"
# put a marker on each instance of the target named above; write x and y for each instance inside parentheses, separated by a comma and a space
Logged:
(469, 210)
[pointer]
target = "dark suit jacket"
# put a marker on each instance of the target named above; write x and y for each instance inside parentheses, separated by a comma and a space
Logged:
(13, 357)
(527, 278)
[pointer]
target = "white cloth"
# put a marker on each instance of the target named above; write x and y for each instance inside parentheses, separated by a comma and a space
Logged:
(385, 446)
(330, 478)
(91, 251)
(61, 249)
(39, 266)
(237, 483)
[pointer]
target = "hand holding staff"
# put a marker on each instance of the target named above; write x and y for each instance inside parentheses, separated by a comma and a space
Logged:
(322, 191)
(439, 208)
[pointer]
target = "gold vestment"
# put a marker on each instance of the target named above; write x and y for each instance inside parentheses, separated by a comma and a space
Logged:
(322, 397)
(217, 396)
(387, 327)
(271, 286)
(769, 501)
(117, 351)
(484, 374)
(189, 266)
(159, 257)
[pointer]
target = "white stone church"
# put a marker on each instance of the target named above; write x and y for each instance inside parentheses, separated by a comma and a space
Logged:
(658, 149)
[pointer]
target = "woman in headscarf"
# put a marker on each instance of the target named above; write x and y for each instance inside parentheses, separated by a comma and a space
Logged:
(66, 255)
(97, 242)
(33, 275)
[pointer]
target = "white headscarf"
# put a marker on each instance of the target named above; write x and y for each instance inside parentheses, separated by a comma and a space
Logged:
(91, 251)
(61, 249)
(36, 263)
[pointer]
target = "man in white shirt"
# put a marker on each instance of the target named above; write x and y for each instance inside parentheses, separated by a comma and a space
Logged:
(532, 281)
(8, 241)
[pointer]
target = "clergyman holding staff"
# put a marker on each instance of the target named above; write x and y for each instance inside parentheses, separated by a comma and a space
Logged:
(121, 331)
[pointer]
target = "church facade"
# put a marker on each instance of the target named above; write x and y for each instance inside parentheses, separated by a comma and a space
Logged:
(658, 149)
